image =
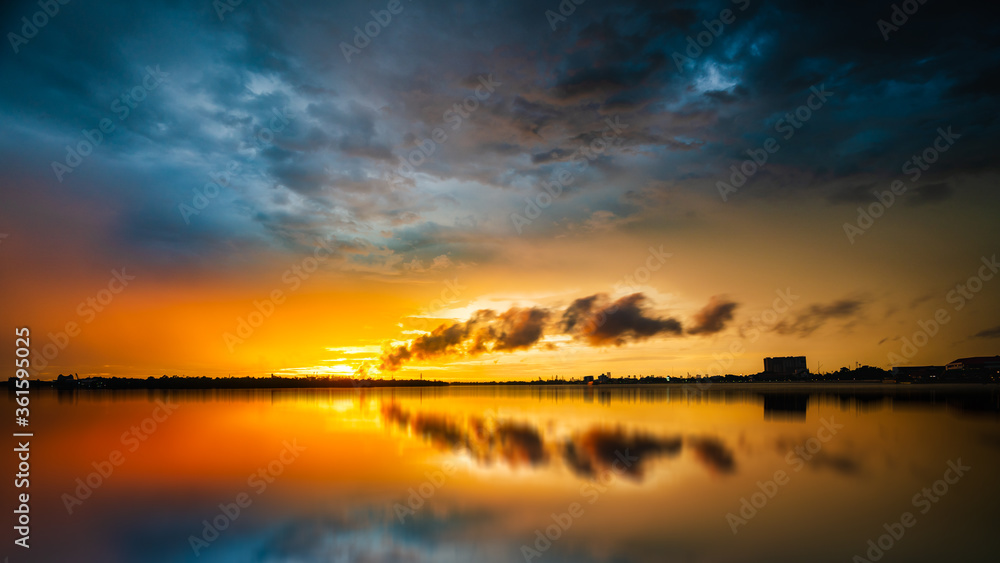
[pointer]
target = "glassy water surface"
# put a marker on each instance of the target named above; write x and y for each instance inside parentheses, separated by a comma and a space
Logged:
(552, 474)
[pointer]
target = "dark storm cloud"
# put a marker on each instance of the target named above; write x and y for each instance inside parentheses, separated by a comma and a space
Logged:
(352, 122)
(713, 317)
(818, 314)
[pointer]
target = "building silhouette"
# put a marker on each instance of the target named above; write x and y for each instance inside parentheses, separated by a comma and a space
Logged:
(786, 366)
(986, 364)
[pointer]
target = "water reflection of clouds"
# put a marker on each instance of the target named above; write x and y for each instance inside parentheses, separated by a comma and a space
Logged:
(449, 536)
(713, 453)
(842, 462)
(586, 454)
(596, 451)
(361, 538)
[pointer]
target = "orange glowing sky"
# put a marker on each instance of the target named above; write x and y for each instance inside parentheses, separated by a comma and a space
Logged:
(410, 194)
(174, 321)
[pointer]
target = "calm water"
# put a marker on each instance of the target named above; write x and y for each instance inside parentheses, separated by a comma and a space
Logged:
(513, 474)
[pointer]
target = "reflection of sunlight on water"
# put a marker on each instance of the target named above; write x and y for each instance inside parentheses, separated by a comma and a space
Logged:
(520, 455)
(340, 406)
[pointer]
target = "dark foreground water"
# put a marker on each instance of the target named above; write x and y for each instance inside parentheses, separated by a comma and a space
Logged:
(485, 474)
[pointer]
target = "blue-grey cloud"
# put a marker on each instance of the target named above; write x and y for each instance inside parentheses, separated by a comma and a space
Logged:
(317, 139)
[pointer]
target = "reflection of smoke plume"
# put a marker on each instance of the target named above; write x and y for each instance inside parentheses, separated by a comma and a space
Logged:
(600, 323)
(588, 454)
(713, 317)
(513, 443)
(713, 453)
(438, 429)
(846, 463)
(599, 450)
(520, 444)
(486, 331)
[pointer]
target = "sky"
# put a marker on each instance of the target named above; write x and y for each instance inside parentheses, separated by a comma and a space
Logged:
(498, 190)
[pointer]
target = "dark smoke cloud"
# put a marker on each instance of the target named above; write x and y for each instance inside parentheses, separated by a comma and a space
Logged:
(517, 329)
(442, 340)
(817, 315)
(595, 320)
(712, 318)
(486, 331)
(599, 323)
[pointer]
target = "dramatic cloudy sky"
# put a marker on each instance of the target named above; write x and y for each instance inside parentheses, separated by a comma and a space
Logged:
(390, 191)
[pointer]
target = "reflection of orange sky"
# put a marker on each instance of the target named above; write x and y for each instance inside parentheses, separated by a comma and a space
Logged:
(353, 448)
(356, 437)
